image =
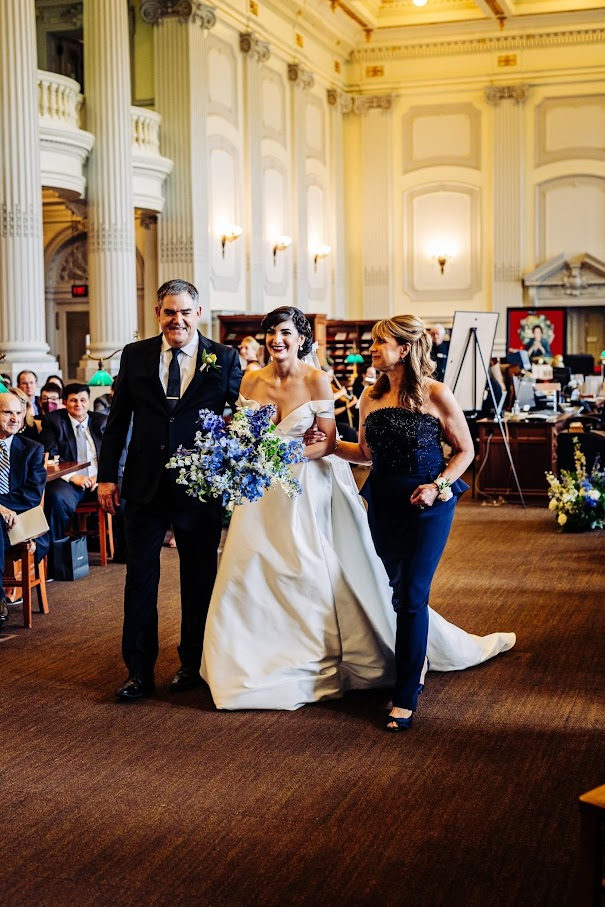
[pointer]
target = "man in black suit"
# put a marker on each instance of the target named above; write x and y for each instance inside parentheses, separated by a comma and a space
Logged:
(72, 434)
(22, 479)
(162, 385)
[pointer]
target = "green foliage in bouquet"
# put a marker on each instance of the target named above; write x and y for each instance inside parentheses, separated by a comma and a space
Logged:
(578, 497)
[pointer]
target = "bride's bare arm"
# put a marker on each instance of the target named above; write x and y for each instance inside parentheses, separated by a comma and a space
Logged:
(326, 428)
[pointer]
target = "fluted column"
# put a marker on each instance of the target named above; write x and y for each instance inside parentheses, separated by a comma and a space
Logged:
(181, 95)
(111, 244)
(339, 103)
(301, 81)
(508, 155)
(22, 310)
(256, 52)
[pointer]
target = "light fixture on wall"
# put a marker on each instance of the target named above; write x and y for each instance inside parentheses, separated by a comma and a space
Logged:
(320, 251)
(229, 234)
(419, 2)
(441, 253)
(280, 245)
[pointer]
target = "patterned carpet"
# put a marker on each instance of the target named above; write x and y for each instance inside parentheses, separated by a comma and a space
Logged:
(167, 802)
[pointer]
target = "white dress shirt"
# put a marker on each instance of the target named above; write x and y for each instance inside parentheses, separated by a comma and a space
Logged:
(91, 450)
(187, 362)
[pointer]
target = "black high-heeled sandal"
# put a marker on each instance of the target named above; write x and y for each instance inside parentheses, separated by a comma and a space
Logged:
(403, 724)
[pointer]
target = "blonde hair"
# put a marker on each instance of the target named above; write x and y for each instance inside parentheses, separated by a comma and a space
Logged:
(26, 407)
(417, 365)
(251, 342)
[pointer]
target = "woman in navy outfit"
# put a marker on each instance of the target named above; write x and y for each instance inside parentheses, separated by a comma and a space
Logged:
(411, 490)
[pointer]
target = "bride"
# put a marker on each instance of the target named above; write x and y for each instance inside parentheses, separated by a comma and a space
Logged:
(301, 608)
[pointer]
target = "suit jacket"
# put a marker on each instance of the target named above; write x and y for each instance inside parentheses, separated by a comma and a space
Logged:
(59, 438)
(157, 431)
(27, 476)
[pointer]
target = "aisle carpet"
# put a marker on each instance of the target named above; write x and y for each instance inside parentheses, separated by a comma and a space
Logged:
(167, 802)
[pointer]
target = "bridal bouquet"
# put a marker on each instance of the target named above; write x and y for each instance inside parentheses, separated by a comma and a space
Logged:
(239, 461)
(578, 497)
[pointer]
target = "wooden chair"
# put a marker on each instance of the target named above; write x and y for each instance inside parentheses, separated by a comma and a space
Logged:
(591, 863)
(21, 571)
(105, 527)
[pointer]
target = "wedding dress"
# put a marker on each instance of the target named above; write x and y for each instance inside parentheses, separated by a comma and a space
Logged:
(301, 608)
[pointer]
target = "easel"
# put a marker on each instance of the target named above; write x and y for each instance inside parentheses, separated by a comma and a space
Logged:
(476, 348)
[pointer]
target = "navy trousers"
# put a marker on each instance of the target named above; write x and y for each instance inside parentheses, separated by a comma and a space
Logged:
(410, 542)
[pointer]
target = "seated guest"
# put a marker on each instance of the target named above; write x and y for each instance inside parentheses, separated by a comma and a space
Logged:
(51, 397)
(27, 381)
(439, 350)
(249, 350)
(22, 479)
(30, 426)
(72, 434)
(538, 347)
(56, 379)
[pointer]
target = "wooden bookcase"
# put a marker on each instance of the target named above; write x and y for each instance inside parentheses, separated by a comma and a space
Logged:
(233, 329)
(344, 337)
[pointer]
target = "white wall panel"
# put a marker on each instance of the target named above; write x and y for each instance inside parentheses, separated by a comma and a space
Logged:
(441, 135)
(570, 128)
(224, 209)
(222, 80)
(571, 217)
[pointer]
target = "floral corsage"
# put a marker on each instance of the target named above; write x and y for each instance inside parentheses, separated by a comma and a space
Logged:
(444, 488)
(209, 361)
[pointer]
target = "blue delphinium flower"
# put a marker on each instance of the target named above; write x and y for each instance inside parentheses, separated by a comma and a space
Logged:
(238, 462)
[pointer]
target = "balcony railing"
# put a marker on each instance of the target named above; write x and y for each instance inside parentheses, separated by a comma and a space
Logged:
(59, 100)
(145, 130)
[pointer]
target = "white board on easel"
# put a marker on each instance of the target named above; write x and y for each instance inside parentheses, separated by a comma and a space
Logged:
(464, 368)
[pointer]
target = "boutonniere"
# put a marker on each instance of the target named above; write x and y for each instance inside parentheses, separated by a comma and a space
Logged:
(209, 361)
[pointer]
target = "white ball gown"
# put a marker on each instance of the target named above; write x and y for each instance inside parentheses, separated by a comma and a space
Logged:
(301, 609)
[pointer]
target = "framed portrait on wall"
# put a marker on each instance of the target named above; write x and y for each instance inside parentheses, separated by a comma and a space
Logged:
(542, 333)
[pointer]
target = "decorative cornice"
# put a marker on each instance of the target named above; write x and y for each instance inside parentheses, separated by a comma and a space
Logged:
(358, 103)
(251, 45)
(494, 44)
(153, 11)
(496, 93)
(300, 76)
(341, 100)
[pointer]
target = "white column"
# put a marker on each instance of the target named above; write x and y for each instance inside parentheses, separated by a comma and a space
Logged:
(181, 96)
(508, 194)
(256, 52)
(340, 103)
(111, 244)
(377, 204)
(22, 311)
(301, 80)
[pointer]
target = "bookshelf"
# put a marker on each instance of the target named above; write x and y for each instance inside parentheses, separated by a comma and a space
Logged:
(344, 337)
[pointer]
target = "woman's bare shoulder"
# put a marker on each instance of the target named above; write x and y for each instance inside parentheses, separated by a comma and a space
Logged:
(319, 383)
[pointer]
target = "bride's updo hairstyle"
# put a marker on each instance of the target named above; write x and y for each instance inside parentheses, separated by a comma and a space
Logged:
(417, 365)
(289, 313)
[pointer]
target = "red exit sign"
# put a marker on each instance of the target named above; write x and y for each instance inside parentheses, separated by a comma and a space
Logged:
(78, 290)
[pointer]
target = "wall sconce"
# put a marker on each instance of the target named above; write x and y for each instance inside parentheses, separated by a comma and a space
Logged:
(281, 244)
(229, 234)
(320, 251)
(419, 2)
(441, 254)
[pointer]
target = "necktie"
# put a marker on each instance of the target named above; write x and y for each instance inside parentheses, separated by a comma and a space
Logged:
(173, 388)
(81, 448)
(4, 468)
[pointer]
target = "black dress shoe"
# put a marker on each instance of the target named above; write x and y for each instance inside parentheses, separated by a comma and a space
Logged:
(135, 688)
(186, 679)
(3, 610)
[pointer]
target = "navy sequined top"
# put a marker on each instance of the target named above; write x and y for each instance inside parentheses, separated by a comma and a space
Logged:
(403, 442)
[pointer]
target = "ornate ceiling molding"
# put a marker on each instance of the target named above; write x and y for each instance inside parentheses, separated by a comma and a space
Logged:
(252, 46)
(358, 103)
(496, 44)
(153, 11)
(496, 93)
(300, 77)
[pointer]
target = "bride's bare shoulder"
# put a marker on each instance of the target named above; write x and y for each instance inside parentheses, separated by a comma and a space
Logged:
(319, 383)
(253, 380)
